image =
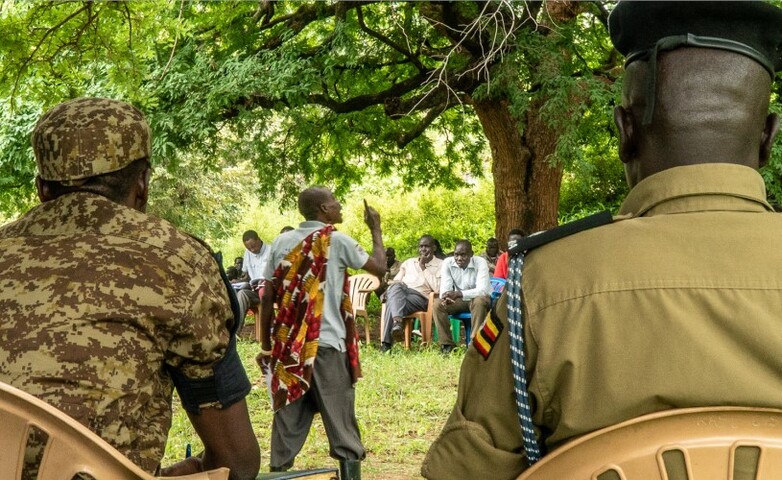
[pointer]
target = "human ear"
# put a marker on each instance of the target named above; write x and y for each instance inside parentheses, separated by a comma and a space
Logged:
(44, 192)
(142, 190)
(627, 141)
(767, 140)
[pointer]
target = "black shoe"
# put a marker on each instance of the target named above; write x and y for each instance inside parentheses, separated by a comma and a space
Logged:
(396, 331)
(446, 349)
(385, 347)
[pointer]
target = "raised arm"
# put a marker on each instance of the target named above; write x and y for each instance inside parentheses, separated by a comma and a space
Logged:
(376, 263)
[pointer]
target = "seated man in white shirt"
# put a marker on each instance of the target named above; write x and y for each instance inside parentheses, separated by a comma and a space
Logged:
(410, 289)
(256, 254)
(464, 287)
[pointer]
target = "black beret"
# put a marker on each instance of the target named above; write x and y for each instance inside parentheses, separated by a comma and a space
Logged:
(753, 29)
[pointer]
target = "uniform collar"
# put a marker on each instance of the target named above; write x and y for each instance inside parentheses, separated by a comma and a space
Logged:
(714, 186)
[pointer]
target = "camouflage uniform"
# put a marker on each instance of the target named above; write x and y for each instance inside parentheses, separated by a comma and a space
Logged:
(104, 305)
(97, 298)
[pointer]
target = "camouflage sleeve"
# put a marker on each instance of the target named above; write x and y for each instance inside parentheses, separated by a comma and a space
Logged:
(203, 362)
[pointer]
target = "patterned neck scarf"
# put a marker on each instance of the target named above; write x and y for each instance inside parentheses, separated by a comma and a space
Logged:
(296, 330)
(518, 359)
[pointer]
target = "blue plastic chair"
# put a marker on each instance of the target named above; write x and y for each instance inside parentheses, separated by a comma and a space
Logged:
(497, 286)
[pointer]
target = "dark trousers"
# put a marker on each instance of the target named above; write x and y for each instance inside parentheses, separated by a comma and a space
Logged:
(400, 301)
(332, 394)
(247, 299)
(478, 308)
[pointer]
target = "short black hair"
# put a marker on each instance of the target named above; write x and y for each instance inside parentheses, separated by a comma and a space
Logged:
(113, 185)
(250, 234)
(517, 231)
(311, 199)
(464, 242)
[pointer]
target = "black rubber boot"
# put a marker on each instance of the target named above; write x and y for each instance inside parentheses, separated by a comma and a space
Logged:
(349, 470)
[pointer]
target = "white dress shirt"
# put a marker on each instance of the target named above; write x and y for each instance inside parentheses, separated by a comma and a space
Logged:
(255, 263)
(472, 280)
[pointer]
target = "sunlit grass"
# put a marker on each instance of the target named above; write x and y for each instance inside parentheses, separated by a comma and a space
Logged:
(402, 403)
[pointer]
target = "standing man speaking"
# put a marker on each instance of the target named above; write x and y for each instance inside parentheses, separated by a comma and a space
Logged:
(313, 355)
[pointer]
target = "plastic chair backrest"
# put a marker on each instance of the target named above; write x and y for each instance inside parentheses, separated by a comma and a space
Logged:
(71, 447)
(361, 286)
(714, 443)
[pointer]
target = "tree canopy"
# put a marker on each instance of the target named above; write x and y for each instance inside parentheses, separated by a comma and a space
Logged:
(432, 93)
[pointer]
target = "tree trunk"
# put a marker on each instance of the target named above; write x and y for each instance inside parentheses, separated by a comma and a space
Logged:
(526, 185)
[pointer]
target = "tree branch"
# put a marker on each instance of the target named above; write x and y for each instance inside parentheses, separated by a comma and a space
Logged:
(385, 40)
(176, 40)
(405, 138)
(46, 34)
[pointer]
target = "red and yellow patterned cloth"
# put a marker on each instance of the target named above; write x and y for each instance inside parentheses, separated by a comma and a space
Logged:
(299, 281)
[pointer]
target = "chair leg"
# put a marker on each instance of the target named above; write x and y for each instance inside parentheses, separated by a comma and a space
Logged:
(408, 331)
(382, 321)
(366, 328)
(456, 330)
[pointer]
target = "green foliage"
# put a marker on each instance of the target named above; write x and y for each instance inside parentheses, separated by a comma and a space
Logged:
(594, 184)
(772, 172)
(204, 202)
(448, 215)
(17, 188)
(204, 99)
(337, 93)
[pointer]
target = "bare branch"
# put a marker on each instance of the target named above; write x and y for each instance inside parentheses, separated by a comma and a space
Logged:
(603, 12)
(176, 40)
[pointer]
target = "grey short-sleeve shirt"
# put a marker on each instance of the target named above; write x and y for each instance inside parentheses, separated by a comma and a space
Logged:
(344, 252)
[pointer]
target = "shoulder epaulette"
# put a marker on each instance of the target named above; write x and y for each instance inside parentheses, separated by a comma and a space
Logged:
(562, 231)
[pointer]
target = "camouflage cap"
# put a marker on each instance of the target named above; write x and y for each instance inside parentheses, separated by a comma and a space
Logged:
(85, 137)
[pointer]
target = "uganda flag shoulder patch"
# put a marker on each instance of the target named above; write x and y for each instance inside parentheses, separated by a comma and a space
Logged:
(487, 337)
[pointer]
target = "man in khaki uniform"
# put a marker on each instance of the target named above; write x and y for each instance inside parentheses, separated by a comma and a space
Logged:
(678, 302)
(106, 309)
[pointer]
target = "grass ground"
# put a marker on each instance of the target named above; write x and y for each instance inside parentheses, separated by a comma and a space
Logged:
(401, 404)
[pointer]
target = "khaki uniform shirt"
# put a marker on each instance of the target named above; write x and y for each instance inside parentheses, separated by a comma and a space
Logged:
(680, 305)
(96, 298)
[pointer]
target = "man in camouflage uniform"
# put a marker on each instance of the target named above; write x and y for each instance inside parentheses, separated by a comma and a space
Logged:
(106, 309)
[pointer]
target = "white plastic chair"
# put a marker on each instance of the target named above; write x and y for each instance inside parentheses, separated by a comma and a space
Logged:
(710, 443)
(71, 447)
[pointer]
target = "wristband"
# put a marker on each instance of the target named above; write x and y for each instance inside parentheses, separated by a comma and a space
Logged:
(265, 352)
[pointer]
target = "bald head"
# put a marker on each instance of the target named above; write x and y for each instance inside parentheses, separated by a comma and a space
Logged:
(318, 203)
(710, 106)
